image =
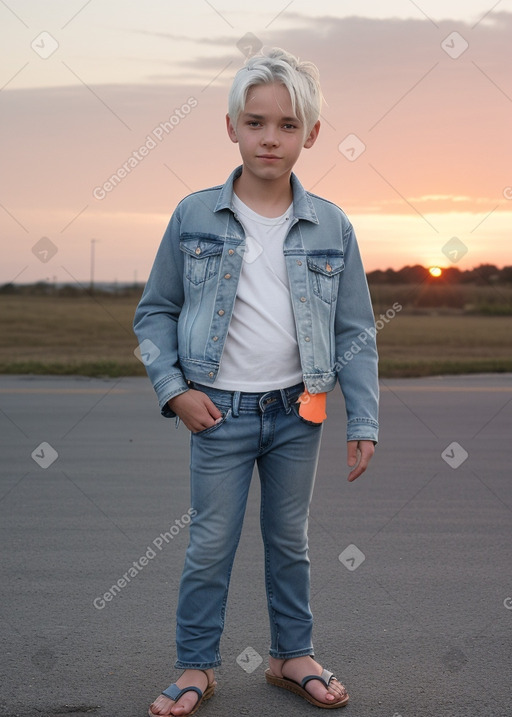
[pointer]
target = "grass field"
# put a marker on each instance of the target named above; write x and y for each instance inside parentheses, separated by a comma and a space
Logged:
(424, 345)
(92, 335)
(490, 300)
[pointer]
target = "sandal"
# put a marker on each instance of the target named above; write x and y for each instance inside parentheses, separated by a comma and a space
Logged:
(173, 692)
(299, 688)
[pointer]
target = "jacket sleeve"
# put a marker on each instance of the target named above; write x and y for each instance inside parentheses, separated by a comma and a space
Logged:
(156, 319)
(356, 349)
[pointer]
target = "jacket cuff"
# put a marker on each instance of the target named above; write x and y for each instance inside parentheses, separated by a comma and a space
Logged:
(363, 429)
(168, 388)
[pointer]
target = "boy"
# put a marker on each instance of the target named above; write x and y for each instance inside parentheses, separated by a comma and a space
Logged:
(258, 303)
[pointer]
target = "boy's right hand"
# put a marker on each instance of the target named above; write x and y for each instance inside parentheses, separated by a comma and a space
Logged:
(195, 409)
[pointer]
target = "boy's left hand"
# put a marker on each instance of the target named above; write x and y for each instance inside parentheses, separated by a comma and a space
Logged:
(359, 454)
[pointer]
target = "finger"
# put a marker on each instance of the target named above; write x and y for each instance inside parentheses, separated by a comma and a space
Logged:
(211, 407)
(360, 468)
(366, 451)
(351, 453)
(204, 421)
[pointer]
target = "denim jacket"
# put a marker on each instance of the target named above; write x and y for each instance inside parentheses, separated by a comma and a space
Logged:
(183, 317)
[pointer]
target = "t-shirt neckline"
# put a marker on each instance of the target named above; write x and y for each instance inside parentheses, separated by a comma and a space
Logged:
(241, 208)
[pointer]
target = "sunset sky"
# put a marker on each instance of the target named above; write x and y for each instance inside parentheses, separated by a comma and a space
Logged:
(423, 88)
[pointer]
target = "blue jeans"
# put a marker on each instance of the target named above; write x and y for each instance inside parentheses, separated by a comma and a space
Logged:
(266, 429)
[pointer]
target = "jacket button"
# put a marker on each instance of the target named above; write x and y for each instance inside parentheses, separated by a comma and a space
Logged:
(198, 250)
(227, 276)
(299, 263)
(303, 299)
(328, 267)
(306, 338)
(231, 252)
(221, 312)
(210, 374)
(215, 338)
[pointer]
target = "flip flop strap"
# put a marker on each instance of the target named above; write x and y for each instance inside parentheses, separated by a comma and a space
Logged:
(173, 692)
(325, 678)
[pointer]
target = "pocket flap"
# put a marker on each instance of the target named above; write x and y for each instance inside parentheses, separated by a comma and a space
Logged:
(201, 245)
(327, 264)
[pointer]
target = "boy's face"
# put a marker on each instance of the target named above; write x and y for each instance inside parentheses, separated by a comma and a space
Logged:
(269, 134)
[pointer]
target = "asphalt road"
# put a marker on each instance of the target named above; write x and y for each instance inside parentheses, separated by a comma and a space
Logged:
(415, 617)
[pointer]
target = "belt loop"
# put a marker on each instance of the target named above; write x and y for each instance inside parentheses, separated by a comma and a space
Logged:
(284, 399)
(236, 403)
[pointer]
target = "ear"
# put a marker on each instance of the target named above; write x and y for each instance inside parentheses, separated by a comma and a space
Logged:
(312, 136)
(231, 129)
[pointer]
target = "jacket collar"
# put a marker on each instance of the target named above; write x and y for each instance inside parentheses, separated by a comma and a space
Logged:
(302, 204)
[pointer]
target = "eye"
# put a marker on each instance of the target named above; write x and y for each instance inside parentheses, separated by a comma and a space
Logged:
(289, 126)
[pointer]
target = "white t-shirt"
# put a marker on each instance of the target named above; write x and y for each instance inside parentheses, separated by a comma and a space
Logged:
(261, 351)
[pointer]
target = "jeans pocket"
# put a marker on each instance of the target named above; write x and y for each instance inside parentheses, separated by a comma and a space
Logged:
(212, 429)
(295, 411)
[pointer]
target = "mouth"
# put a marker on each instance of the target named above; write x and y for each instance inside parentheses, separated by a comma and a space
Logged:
(267, 156)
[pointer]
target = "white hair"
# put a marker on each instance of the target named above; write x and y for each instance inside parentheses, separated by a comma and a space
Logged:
(301, 79)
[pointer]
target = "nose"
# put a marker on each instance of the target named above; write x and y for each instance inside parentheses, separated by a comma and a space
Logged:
(269, 137)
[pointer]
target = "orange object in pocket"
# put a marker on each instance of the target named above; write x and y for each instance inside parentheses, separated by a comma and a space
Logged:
(312, 406)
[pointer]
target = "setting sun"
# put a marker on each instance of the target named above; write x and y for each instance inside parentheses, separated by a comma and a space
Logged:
(435, 271)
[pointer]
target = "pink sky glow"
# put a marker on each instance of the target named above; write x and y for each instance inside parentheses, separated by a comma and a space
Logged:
(414, 145)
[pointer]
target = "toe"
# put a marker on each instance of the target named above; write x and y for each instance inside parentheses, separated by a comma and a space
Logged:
(162, 706)
(334, 693)
(185, 704)
(336, 690)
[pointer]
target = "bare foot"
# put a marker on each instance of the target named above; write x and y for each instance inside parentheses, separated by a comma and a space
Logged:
(298, 667)
(184, 706)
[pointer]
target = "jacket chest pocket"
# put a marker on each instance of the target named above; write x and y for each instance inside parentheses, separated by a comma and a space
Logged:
(324, 274)
(202, 256)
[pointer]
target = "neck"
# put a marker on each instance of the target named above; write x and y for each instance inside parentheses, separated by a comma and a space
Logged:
(270, 198)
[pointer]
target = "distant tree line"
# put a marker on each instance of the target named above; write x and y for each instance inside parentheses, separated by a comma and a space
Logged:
(483, 275)
(47, 288)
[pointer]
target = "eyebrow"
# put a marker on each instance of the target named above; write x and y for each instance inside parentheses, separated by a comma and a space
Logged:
(262, 117)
